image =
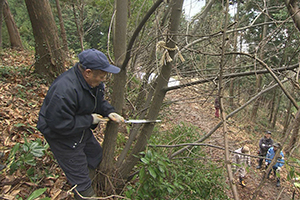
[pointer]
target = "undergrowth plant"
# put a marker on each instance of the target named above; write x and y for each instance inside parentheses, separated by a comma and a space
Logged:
(156, 178)
(190, 176)
(25, 157)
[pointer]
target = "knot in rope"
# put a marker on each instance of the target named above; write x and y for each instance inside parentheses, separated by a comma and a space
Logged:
(161, 45)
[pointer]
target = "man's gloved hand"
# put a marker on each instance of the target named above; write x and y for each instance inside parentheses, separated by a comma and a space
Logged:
(263, 145)
(116, 117)
(96, 118)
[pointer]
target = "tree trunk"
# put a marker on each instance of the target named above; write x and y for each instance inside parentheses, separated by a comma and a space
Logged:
(50, 58)
(14, 35)
(62, 28)
(1, 20)
(287, 119)
(79, 22)
(259, 77)
(293, 8)
(223, 115)
(295, 137)
(111, 132)
(162, 82)
(235, 40)
(276, 112)
(272, 109)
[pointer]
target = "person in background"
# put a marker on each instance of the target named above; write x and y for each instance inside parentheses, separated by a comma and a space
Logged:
(241, 162)
(280, 162)
(74, 105)
(264, 144)
(217, 107)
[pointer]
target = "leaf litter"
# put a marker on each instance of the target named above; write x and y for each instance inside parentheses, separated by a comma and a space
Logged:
(21, 97)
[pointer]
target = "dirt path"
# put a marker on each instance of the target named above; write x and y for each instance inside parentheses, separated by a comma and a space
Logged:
(199, 112)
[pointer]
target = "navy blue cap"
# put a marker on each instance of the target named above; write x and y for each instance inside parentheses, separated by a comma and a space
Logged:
(268, 132)
(94, 59)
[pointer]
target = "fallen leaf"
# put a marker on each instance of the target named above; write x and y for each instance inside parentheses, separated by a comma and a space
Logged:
(6, 189)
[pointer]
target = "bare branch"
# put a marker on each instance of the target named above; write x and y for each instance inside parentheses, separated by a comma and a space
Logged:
(227, 117)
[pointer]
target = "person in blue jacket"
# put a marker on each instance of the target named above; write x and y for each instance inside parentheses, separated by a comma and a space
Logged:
(74, 105)
(280, 161)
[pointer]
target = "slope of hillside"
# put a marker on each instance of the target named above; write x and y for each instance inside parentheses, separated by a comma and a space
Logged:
(21, 96)
(191, 106)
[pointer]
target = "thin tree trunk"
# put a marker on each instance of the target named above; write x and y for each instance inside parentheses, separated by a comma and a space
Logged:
(1, 20)
(223, 115)
(276, 112)
(62, 28)
(259, 77)
(111, 131)
(14, 35)
(235, 40)
(293, 8)
(287, 119)
(295, 137)
(162, 81)
(79, 23)
(272, 106)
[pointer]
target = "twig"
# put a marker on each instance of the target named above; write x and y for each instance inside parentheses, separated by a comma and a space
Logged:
(280, 193)
(227, 117)
(108, 197)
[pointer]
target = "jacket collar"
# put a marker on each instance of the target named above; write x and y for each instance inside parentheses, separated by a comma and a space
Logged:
(79, 75)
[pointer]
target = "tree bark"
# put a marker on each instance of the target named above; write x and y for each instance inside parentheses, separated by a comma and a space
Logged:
(287, 119)
(276, 112)
(235, 40)
(1, 20)
(79, 22)
(159, 94)
(14, 35)
(62, 28)
(295, 136)
(111, 131)
(223, 115)
(272, 109)
(293, 8)
(50, 58)
(259, 77)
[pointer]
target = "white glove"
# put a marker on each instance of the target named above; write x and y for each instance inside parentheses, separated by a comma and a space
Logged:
(96, 118)
(263, 145)
(267, 163)
(278, 169)
(116, 117)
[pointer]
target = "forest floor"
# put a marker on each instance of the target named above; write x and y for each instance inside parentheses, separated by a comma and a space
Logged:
(21, 97)
(200, 112)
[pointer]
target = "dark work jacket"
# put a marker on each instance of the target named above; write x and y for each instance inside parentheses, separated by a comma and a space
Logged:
(264, 145)
(68, 105)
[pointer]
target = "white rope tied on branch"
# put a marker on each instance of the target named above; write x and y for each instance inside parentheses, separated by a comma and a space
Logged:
(161, 45)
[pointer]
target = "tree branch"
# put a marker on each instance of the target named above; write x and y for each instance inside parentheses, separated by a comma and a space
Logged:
(137, 30)
(227, 117)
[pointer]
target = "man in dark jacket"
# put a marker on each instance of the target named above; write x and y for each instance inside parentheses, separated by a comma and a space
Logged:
(73, 106)
(264, 144)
